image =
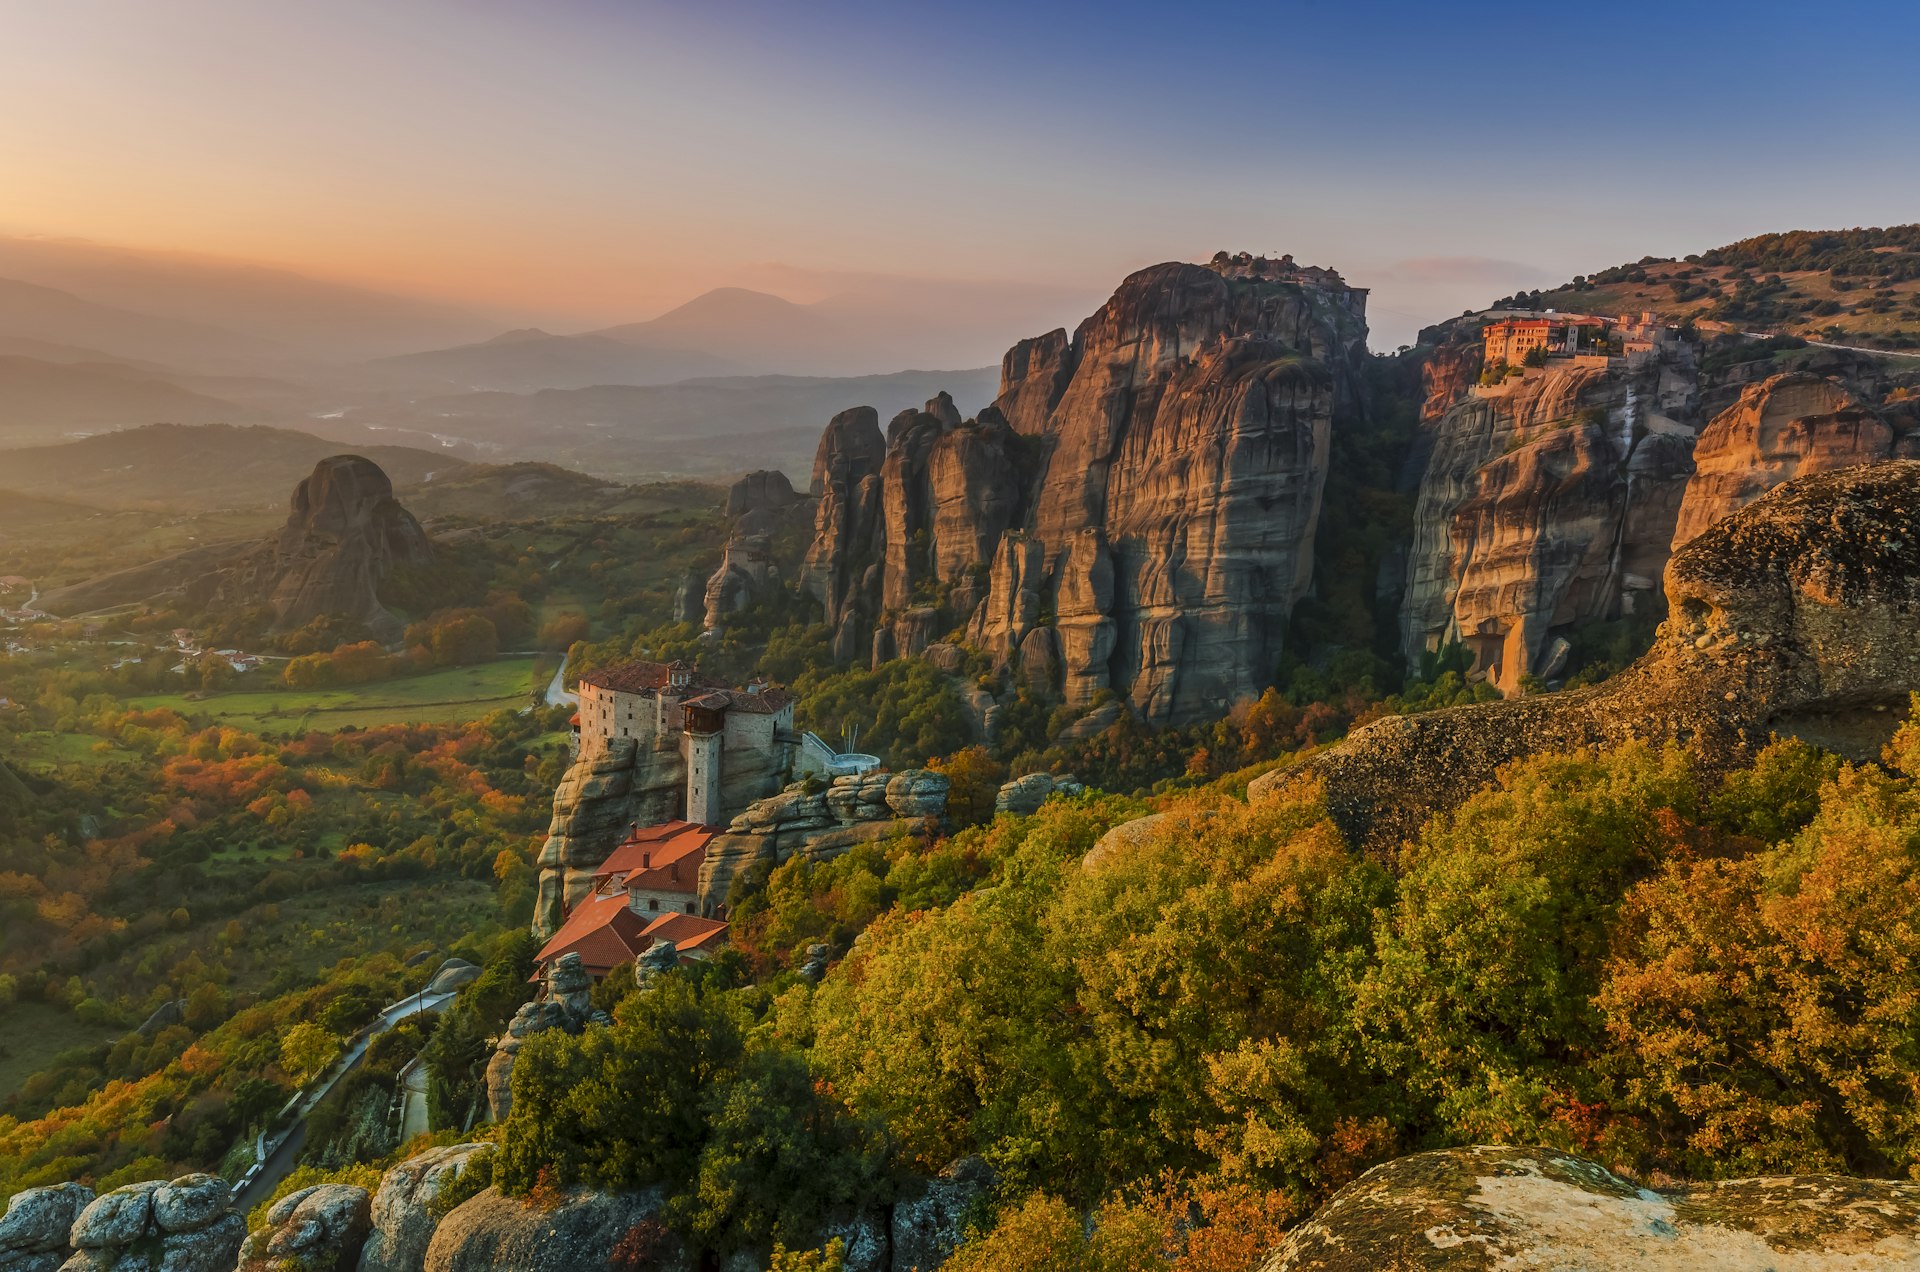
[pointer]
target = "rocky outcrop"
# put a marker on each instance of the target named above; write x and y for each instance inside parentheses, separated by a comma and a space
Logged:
(158, 1226)
(1794, 616)
(344, 534)
(1485, 1208)
(566, 1003)
(928, 1226)
(1786, 426)
(1023, 795)
(403, 1215)
(33, 1232)
(757, 507)
(1148, 489)
(842, 565)
(822, 822)
(490, 1231)
(317, 1229)
(1546, 502)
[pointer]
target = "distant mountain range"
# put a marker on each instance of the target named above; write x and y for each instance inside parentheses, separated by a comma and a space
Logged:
(178, 468)
(41, 400)
(216, 314)
(736, 330)
(710, 427)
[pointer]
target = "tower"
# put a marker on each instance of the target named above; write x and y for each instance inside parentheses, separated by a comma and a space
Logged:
(703, 735)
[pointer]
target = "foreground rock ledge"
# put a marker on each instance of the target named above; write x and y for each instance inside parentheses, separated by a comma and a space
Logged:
(1491, 1207)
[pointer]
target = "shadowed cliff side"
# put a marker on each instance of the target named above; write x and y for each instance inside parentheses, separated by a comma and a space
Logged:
(1794, 616)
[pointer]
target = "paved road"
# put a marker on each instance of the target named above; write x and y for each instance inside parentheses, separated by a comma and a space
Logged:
(259, 1184)
(557, 695)
(1824, 344)
(413, 1102)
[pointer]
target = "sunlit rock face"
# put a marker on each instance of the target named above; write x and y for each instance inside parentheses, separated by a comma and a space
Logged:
(1784, 427)
(1545, 504)
(1792, 617)
(1147, 489)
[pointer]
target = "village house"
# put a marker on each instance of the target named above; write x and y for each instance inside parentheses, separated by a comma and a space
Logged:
(646, 891)
(1508, 341)
(715, 728)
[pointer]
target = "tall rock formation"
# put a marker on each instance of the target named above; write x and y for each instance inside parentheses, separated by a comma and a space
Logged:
(757, 508)
(1546, 502)
(345, 534)
(842, 566)
(1145, 491)
(1784, 427)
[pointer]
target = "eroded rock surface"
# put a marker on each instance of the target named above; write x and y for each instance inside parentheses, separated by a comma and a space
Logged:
(345, 534)
(317, 1229)
(1490, 1207)
(757, 508)
(822, 823)
(489, 1231)
(1147, 491)
(33, 1232)
(929, 1225)
(183, 1225)
(402, 1215)
(1796, 615)
(1787, 426)
(1545, 503)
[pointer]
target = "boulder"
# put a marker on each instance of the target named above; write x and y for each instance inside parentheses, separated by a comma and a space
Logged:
(34, 1230)
(490, 1231)
(453, 974)
(918, 793)
(1487, 1207)
(118, 1218)
(1024, 795)
(928, 1227)
(863, 1238)
(402, 1218)
(190, 1203)
(317, 1229)
(166, 1015)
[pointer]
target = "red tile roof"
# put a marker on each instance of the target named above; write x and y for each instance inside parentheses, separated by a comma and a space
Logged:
(688, 932)
(648, 857)
(641, 677)
(602, 931)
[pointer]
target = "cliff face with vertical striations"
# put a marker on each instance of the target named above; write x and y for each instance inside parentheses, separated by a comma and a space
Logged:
(1547, 502)
(1136, 510)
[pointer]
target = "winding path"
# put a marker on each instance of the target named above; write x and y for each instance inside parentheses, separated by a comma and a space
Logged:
(273, 1160)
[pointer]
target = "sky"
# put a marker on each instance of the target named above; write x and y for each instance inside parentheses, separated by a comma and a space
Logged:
(591, 161)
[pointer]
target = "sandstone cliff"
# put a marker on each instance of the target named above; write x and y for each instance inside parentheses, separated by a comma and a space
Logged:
(758, 507)
(1794, 616)
(1137, 509)
(1545, 502)
(345, 534)
(1784, 427)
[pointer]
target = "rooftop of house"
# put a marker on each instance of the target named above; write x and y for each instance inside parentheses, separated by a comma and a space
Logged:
(646, 859)
(645, 677)
(603, 931)
(649, 678)
(688, 932)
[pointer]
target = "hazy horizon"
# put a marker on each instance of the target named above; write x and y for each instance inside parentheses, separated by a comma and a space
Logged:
(581, 164)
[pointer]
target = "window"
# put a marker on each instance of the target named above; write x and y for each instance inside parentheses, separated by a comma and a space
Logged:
(689, 907)
(653, 903)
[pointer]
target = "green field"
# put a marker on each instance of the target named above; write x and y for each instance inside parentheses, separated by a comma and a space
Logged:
(42, 749)
(32, 1034)
(450, 696)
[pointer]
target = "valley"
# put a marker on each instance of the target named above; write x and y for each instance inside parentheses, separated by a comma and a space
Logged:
(1173, 774)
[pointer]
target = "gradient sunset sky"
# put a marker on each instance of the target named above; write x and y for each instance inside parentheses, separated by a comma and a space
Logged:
(602, 160)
